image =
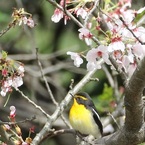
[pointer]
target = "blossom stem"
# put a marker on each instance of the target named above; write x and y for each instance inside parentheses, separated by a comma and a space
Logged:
(7, 100)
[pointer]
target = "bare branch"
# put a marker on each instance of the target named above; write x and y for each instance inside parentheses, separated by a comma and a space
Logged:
(30, 101)
(18, 122)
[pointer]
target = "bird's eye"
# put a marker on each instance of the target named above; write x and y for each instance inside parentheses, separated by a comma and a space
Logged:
(79, 100)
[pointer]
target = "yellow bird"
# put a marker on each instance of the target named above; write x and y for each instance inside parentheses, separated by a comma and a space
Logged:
(83, 116)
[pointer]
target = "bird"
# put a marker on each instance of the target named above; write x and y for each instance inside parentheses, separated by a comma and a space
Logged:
(83, 116)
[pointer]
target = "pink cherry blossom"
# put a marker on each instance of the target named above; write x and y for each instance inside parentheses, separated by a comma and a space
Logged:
(4, 72)
(117, 54)
(140, 33)
(128, 16)
(26, 21)
(57, 16)
(12, 111)
(76, 57)
(21, 69)
(4, 91)
(84, 33)
(97, 53)
(8, 82)
(30, 22)
(17, 82)
(80, 12)
(139, 50)
(6, 86)
(93, 65)
(116, 44)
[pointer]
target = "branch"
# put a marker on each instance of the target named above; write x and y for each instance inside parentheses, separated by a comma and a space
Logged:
(49, 90)
(31, 102)
(18, 122)
(133, 99)
(61, 131)
(132, 132)
(2, 32)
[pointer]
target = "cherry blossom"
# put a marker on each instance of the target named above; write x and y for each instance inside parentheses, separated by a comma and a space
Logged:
(21, 17)
(139, 50)
(17, 82)
(76, 57)
(140, 33)
(96, 53)
(12, 111)
(116, 44)
(30, 22)
(81, 12)
(6, 87)
(57, 16)
(4, 72)
(85, 35)
(21, 70)
(4, 91)
(10, 82)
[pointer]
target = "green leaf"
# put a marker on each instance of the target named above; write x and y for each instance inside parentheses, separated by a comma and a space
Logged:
(4, 54)
(104, 100)
(139, 16)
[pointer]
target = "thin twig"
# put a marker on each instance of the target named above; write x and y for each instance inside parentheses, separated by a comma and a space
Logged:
(5, 30)
(49, 90)
(114, 120)
(45, 80)
(110, 79)
(18, 122)
(131, 31)
(35, 105)
(71, 84)
(61, 131)
(90, 13)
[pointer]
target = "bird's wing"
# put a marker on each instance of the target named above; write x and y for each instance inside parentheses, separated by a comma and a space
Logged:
(97, 119)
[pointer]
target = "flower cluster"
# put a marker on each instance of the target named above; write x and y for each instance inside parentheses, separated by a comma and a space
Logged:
(21, 17)
(124, 40)
(15, 131)
(79, 9)
(11, 74)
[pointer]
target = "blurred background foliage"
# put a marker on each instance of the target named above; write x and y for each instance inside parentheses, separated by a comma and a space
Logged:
(53, 41)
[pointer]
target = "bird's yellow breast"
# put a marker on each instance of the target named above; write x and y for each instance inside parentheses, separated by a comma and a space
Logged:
(82, 119)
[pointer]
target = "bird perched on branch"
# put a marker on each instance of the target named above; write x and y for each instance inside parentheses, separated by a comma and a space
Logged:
(83, 116)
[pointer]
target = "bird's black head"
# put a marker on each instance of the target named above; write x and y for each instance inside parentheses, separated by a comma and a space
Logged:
(83, 98)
